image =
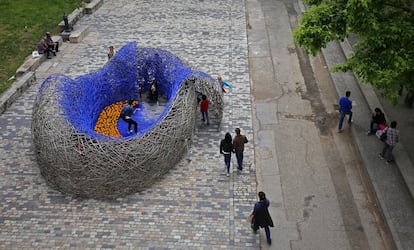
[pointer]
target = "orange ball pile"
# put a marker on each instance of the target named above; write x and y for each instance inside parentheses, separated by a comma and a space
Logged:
(108, 119)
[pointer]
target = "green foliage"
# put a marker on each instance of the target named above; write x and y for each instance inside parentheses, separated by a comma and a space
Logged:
(384, 55)
(22, 25)
(320, 24)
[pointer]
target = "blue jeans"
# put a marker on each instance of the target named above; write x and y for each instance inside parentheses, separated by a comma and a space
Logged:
(227, 158)
(267, 230)
(239, 156)
(131, 122)
(342, 117)
(387, 152)
(205, 117)
(373, 129)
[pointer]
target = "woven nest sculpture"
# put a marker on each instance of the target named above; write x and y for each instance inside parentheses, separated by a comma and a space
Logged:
(77, 160)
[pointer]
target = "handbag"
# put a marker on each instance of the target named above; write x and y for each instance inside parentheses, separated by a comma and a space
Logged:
(251, 222)
(383, 136)
(251, 219)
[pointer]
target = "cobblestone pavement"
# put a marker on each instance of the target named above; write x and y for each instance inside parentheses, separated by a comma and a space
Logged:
(195, 205)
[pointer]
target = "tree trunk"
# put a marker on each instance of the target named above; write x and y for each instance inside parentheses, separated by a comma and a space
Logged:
(409, 99)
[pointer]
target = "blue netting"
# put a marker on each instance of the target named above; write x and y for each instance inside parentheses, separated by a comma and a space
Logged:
(120, 79)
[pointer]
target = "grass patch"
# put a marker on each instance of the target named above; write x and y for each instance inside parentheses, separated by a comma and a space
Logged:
(22, 24)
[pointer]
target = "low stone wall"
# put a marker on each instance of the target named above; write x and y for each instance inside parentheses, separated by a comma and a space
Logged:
(72, 18)
(16, 90)
(93, 6)
(78, 34)
(31, 63)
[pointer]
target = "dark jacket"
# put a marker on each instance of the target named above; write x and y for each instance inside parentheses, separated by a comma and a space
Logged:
(261, 214)
(379, 119)
(226, 147)
(128, 110)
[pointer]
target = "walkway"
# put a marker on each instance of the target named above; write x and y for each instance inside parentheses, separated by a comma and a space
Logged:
(195, 205)
(292, 152)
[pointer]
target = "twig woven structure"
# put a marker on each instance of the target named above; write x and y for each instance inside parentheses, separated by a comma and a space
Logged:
(76, 160)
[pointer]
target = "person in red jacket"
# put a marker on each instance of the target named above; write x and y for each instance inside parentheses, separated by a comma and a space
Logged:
(204, 109)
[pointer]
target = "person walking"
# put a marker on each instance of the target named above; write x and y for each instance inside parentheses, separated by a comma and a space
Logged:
(393, 137)
(126, 115)
(238, 148)
(204, 109)
(345, 107)
(111, 52)
(260, 216)
(226, 147)
(153, 94)
(225, 86)
(377, 121)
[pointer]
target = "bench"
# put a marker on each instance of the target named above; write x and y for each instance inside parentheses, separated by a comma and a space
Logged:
(78, 34)
(31, 63)
(93, 6)
(72, 18)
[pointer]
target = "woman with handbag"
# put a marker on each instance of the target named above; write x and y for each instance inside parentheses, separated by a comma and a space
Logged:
(260, 216)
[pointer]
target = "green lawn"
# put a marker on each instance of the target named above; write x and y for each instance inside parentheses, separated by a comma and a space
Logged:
(22, 24)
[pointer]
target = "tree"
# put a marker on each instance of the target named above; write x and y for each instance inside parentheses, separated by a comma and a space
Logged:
(383, 56)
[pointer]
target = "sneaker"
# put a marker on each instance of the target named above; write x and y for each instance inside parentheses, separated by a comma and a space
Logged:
(380, 156)
(227, 174)
(388, 162)
(269, 241)
(369, 133)
(340, 130)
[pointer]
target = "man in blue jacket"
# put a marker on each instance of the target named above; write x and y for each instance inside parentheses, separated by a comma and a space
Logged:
(126, 115)
(345, 107)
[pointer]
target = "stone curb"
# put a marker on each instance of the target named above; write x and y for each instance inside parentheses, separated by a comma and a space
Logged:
(401, 157)
(402, 160)
(16, 90)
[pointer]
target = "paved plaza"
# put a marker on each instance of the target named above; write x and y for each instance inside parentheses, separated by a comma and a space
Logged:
(327, 190)
(195, 205)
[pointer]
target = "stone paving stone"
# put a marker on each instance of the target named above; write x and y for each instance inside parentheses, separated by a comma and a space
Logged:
(193, 206)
